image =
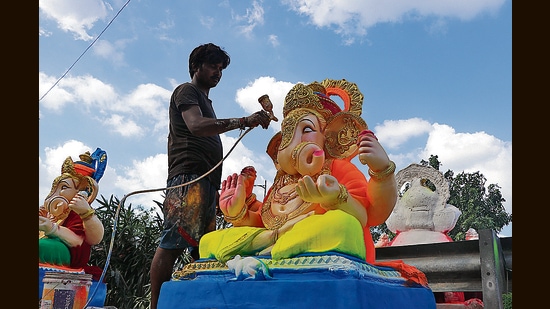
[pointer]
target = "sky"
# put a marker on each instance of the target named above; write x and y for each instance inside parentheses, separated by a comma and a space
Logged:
(436, 76)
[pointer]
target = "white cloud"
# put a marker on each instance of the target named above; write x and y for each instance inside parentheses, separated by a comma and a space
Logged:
(91, 91)
(247, 97)
(123, 126)
(147, 105)
(55, 156)
(148, 100)
(207, 22)
(113, 52)
(253, 17)
(85, 91)
(273, 40)
(44, 32)
(75, 16)
(438, 27)
(143, 181)
(395, 132)
(169, 23)
(459, 152)
(122, 113)
(472, 152)
(354, 17)
(57, 97)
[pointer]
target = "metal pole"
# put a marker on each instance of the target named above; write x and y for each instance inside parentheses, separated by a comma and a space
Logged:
(264, 186)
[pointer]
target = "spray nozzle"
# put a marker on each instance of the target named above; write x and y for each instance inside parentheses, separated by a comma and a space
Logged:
(267, 106)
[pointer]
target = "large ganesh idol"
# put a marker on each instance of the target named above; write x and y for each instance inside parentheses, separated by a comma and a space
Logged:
(319, 201)
(307, 244)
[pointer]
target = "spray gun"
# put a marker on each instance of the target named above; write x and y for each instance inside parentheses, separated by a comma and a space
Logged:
(267, 106)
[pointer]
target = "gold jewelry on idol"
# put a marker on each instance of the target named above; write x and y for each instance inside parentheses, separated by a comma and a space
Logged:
(238, 217)
(87, 215)
(250, 199)
(342, 196)
(383, 174)
(272, 221)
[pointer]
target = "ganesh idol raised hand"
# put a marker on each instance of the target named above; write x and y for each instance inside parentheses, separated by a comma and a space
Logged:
(382, 176)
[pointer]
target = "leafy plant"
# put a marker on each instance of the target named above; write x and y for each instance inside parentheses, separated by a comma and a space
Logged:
(507, 300)
(136, 238)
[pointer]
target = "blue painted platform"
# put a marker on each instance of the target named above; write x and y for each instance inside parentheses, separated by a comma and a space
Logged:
(319, 281)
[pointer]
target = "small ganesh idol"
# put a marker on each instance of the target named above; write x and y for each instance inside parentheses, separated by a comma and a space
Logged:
(67, 223)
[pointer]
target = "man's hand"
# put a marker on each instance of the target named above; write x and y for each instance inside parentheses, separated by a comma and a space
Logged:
(258, 118)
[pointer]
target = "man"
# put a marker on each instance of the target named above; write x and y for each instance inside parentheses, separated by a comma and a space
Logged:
(194, 149)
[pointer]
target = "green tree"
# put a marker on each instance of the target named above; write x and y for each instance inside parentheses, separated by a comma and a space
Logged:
(507, 300)
(481, 205)
(433, 161)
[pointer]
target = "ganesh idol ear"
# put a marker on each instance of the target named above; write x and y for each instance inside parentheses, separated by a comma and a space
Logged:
(344, 127)
(93, 189)
(341, 135)
(273, 147)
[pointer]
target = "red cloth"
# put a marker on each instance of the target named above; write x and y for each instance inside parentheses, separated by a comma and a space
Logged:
(95, 271)
(474, 303)
(408, 272)
(83, 169)
(80, 255)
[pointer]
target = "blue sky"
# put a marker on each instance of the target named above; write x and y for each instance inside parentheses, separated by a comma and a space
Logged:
(436, 78)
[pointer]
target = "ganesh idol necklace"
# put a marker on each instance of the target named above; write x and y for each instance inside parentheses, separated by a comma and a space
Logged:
(275, 221)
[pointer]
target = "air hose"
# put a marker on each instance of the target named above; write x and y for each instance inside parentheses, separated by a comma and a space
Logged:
(121, 203)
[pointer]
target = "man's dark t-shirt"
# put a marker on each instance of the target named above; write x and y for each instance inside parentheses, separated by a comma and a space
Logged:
(187, 153)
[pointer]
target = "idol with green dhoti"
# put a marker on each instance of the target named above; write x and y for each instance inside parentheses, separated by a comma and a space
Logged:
(319, 201)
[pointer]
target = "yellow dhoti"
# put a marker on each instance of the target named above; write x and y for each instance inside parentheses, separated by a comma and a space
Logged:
(334, 230)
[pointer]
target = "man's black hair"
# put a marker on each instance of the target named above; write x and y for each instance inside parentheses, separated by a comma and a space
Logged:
(207, 53)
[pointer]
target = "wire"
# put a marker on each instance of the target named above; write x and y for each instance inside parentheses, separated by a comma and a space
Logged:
(115, 219)
(89, 46)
